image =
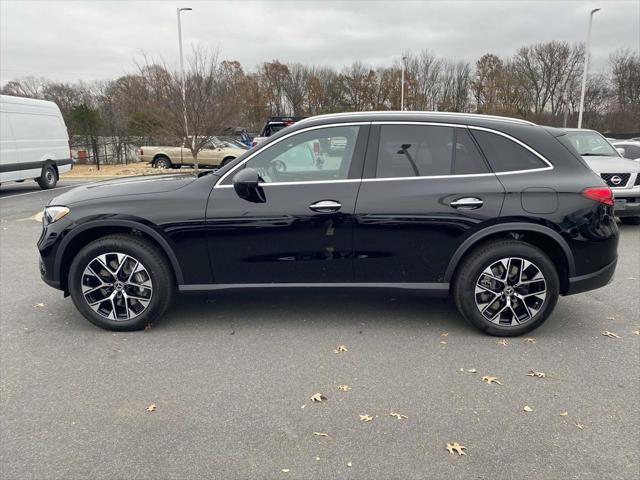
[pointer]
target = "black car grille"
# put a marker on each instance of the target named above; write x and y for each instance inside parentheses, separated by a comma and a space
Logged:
(616, 179)
(637, 180)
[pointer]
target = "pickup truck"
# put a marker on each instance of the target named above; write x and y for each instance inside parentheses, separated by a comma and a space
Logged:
(273, 125)
(215, 153)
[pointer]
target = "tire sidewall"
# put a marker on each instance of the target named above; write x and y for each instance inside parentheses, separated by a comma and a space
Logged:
(163, 162)
(160, 278)
(471, 271)
(43, 181)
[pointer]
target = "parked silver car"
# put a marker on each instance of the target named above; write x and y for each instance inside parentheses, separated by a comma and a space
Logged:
(628, 148)
(621, 174)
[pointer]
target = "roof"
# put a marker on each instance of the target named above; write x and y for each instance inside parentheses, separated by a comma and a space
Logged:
(414, 116)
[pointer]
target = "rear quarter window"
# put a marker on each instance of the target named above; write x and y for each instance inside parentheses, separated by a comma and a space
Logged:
(505, 155)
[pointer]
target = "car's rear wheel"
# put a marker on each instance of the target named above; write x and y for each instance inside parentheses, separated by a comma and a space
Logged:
(226, 161)
(121, 282)
(506, 288)
(630, 220)
(48, 177)
(162, 162)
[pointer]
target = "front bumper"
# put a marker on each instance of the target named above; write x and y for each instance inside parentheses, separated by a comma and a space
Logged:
(627, 201)
(593, 280)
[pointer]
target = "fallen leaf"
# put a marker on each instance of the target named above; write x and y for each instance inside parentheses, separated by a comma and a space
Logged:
(366, 418)
(148, 326)
(399, 416)
(151, 408)
(530, 340)
(611, 318)
(609, 334)
(504, 342)
(318, 397)
(636, 332)
(286, 470)
(344, 388)
(444, 334)
(564, 414)
(443, 342)
(317, 459)
(320, 434)
(527, 408)
(579, 424)
(349, 464)
(491, 380)
(39, 305)
(455, 446)
(472, 370)
(534, 373)
(340, 349)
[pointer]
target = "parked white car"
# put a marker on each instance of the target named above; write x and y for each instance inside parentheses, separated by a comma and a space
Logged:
(619, 173)
(628, 148)
(34, 143)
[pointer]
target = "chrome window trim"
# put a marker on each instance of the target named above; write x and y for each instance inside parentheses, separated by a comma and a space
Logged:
(393, 122)
(315, 127)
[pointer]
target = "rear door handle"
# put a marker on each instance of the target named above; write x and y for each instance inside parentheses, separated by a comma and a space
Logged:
(325, 206)
(467, 203)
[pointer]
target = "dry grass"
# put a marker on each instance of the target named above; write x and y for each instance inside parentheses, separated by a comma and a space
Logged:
(115, 170)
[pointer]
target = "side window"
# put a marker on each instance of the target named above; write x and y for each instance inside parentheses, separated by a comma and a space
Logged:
(321, 154)
(505, 155)
(424, 150)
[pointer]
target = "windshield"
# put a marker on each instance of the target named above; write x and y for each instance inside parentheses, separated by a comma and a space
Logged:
(591, 144)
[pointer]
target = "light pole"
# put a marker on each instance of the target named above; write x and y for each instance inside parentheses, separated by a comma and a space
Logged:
(586, 68)
(184, 95)
(402, 86)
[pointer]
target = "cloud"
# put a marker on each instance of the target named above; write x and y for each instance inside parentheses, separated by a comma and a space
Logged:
(92, 40)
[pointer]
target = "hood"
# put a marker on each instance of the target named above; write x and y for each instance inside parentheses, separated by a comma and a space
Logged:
(142, 185)
(612, 164)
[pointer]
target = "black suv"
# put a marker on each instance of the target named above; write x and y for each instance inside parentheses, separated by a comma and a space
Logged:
(501, 214)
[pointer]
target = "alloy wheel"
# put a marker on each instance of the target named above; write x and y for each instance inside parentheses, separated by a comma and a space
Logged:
(117, 286)
(510, 291)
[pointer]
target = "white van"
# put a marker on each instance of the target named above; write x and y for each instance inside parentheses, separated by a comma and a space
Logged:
(34, 142)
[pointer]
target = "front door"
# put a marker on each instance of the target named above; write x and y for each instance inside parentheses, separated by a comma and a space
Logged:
(424, 187)
(301, 230)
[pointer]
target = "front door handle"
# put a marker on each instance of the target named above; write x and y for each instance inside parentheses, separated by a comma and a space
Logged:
(467, 203)
(325, 206)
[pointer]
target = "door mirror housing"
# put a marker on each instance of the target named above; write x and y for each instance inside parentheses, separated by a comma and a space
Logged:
(246, 183)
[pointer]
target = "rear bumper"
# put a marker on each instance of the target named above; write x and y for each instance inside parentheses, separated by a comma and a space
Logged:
(591, 281)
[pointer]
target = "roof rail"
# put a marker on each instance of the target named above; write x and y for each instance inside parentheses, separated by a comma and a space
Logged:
(439, 114)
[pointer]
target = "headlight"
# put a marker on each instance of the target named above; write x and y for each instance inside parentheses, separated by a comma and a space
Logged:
(53, 214)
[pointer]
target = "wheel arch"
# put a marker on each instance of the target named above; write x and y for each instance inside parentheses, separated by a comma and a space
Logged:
(158, 155)
(548, 240)
(84, 234)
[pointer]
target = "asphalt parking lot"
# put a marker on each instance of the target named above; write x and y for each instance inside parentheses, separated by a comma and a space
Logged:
(231, 377)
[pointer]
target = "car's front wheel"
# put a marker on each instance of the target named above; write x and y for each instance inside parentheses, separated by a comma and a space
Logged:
(121, 282)
(506, 288)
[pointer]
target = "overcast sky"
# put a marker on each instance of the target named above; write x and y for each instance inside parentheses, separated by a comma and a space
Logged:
(92, 40)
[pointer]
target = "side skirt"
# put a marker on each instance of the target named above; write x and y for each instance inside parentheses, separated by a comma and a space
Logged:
(436, 289)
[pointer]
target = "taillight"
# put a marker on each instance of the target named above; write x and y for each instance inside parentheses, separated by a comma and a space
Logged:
(141, 152)
(599, 194)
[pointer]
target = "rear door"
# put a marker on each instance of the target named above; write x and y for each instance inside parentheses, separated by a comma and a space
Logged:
(425, 186)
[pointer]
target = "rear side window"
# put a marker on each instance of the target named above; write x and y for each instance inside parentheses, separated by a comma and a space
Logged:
(424, 150)
(505, 155)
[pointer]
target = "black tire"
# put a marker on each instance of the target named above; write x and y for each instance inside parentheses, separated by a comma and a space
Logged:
(226, 161)
(472, 267)
(48, 178)
(162, 162)
(630, 220)
(149, 256)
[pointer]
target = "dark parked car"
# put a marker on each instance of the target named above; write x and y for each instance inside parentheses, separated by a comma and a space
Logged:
(501, 214)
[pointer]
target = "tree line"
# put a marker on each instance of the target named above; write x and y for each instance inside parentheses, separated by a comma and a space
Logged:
(539, 82)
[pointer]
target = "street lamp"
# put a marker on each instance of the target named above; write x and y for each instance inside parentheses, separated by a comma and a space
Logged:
(184, 95)
(586, 68)
(402, 86)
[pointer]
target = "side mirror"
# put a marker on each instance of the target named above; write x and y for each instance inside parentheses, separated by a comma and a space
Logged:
(246, 183)
(621, 151)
